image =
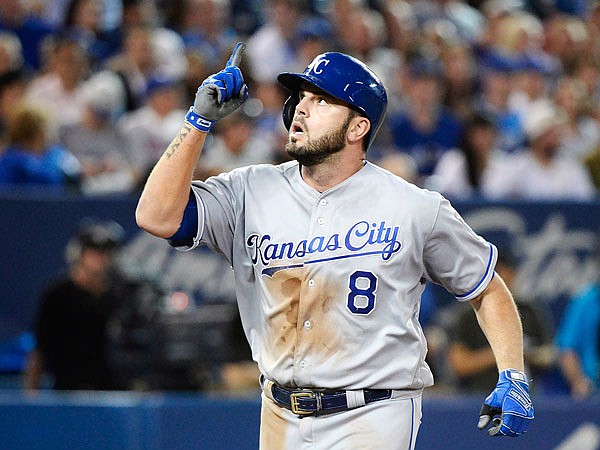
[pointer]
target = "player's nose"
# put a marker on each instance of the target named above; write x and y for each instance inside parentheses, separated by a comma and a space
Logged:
(302, 107)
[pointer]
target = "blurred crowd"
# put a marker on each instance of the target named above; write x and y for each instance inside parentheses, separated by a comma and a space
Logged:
(494, 98)
(491, 98)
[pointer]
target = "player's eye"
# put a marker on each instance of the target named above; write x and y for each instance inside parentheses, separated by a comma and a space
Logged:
(322, 101)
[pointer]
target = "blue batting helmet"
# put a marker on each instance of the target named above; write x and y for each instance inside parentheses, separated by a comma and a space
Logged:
(345, 78)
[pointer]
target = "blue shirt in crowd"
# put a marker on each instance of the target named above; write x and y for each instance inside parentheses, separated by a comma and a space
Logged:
(21, 167)
(425, 146)
(579, 330)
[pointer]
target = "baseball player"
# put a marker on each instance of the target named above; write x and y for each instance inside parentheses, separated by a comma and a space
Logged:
(330, 255)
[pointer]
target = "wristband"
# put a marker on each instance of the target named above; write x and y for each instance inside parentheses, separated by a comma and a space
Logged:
(198, 122)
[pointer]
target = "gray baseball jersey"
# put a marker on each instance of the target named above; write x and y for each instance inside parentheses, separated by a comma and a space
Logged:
(329, 284)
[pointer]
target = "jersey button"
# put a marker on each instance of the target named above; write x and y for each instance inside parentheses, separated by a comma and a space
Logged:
(311, 283)
(307, 324)
(321, 221)
(322, 202)
(303, 364)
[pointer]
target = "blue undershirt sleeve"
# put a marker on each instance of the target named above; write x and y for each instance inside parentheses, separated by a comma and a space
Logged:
(189, 225)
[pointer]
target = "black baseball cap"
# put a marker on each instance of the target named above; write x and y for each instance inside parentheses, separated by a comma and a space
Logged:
(100, 234)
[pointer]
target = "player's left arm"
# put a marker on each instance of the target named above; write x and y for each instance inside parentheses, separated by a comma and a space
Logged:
(499, 319)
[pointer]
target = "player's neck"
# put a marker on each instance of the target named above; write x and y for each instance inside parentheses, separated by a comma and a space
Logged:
(331, 172)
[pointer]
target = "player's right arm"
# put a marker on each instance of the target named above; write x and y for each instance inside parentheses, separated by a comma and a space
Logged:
(165, 196)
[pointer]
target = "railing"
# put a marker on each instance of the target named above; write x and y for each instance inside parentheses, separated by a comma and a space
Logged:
(144, 421)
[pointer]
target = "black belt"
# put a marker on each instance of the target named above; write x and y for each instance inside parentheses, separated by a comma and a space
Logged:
(307, 402)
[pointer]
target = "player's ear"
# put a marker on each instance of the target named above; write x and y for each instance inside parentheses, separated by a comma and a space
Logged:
(358, 129)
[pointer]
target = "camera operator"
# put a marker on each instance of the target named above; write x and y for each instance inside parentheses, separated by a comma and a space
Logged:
(71, 323)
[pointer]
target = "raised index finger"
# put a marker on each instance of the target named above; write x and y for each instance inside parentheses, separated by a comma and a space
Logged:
(236, 55)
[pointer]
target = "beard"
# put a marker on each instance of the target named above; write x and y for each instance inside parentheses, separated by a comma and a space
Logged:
(317, 151)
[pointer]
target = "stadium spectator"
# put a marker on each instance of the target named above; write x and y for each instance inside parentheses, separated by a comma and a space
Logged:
(496, 78)
(400, 164)
(401, 24)
(166, 45)
(265, 108)
(234, 145)
(271, 48)
(198, 67)
(147, 50)
(203, 26)
(12, 91)
(519, 34)
(96, 141)
(16, 17)
(136, 13)
(468, 21)
(578, 340)
(151, 127)
(424, 128)
(57, 89)
(592, 164)
(135, 64)
(539, 171)
(11, 52)
(533, 71)
(495, 12)
(313, 37)
(83, 21)
(459, 79)
(566, 38)
(31, 159)
(533, 81)
(466, 171)
(169, 53)
(71, 323)
(587, 71)
(581, 134)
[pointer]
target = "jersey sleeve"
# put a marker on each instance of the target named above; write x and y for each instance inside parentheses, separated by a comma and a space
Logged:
(216, 201)
(456, 257)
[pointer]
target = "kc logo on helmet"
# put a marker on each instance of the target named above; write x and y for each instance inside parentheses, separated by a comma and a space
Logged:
(315, 66)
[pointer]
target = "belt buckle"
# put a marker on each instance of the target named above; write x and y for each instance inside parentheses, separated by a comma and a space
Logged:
(295, 406)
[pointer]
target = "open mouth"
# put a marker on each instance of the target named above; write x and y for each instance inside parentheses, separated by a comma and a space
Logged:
(296, 129)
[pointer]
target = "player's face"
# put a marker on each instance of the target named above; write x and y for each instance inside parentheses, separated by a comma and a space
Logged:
(316, 133)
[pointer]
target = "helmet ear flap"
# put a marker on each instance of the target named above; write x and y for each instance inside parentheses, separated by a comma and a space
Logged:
(289, 108)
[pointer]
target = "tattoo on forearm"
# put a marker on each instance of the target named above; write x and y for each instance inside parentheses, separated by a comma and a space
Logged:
(177, 141)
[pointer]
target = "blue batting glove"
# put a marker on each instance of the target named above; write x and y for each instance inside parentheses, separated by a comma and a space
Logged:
(220, 94)
(510, 399)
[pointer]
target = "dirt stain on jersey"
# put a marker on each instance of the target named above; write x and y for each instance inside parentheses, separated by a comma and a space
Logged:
(283, 322)
(291, 290)
(327, 303)
(319, 328)
(306, 317)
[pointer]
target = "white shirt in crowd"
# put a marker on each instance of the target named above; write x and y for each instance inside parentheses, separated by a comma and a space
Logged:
(451, 178)
(523, 176)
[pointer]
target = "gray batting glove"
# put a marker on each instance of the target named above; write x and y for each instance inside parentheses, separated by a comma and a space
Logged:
(220, 94)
